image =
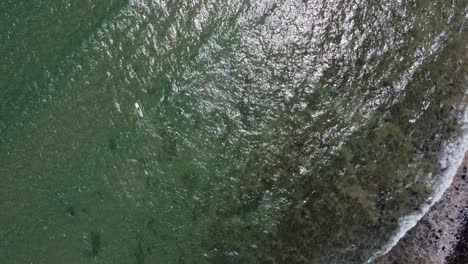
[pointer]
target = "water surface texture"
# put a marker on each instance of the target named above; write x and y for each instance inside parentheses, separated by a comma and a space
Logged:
(273, 131)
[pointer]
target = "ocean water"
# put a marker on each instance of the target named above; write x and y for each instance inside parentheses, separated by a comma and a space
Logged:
(273, 131)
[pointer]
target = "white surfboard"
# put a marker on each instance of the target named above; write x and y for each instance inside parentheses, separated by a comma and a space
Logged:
(138, 110)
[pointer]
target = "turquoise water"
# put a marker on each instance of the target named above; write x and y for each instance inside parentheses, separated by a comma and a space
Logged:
(273, 131)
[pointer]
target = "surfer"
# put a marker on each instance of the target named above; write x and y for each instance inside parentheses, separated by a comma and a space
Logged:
(138, 110)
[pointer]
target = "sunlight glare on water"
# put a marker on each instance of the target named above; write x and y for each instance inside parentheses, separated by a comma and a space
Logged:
(270, 131)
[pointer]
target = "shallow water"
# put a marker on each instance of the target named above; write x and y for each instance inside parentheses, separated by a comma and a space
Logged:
(281, 131)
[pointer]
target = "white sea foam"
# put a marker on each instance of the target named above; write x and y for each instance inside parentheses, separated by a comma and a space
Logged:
(452, 158)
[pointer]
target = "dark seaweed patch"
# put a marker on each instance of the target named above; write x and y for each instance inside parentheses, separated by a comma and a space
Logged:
(140, 253)
(112, 144)
(95, 240)
(70, 211)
